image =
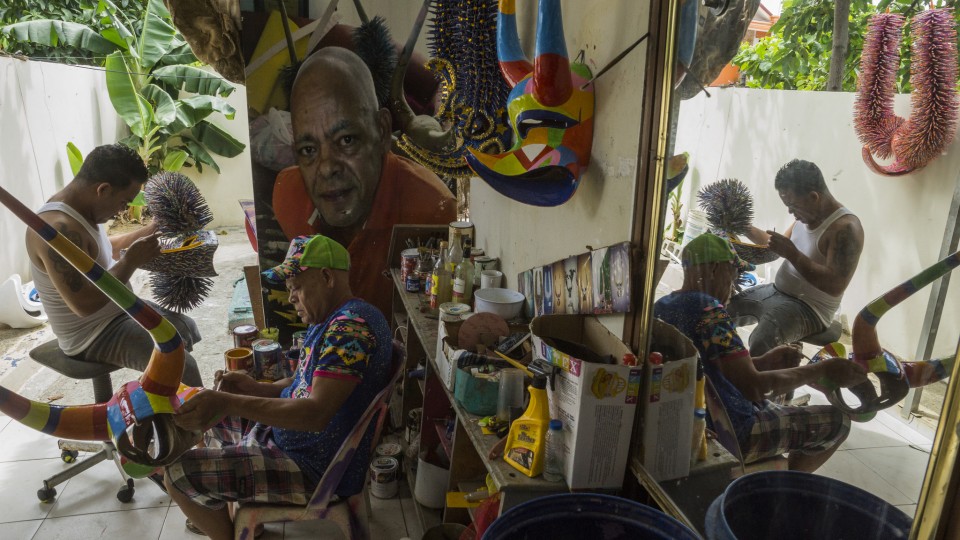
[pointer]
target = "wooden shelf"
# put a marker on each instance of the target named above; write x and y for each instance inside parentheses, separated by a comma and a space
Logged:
(440, 424)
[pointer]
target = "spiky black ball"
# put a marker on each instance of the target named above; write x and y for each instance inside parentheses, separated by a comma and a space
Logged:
(375, 47)
(176, 204)
(729, 206)
(179, 293)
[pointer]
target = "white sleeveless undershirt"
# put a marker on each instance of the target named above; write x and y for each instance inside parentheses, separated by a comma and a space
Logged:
(789, 280)
(75, 333)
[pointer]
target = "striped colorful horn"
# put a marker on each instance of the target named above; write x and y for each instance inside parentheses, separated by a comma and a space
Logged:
(552, 83)
(513, 62)
(148, 402)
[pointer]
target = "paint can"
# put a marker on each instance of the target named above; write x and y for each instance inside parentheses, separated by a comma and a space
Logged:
(466, 231)
(383, 477)
(409, 259)
(239, 359)
(244, 335)
(268, 359)
(391, 450)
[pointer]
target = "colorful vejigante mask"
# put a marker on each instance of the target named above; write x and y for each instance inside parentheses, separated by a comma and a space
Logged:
(550, 113)
(139, 417)
(896, 378)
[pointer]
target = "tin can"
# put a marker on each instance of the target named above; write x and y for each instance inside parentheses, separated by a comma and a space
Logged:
(391, 450)
(383, 477)
(239, 359)
(451, 311)
(244, 335)
(268, 358)
(409, 258)
(411, 283)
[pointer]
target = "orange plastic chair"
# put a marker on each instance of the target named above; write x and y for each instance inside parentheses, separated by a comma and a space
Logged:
(350, 515)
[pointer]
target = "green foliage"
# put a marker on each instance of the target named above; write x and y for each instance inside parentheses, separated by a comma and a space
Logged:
(147, 65)
(796, 55)
(676, 226)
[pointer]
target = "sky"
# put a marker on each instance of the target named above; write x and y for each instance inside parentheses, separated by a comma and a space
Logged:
(772, 5)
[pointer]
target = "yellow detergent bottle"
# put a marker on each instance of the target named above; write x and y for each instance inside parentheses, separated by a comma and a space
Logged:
(526, 442)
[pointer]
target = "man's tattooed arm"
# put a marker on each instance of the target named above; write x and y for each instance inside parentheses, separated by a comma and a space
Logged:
(71, 276)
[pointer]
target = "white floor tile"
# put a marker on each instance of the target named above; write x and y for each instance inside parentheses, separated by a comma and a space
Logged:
(845, 467)
(4, 420)
(871, 434)
(20, 482)
(174, 528)
(903, 467)
(901, 427)
(95, 490)
(908, 509)
(139, 524)
(17, 442)
(20, 529)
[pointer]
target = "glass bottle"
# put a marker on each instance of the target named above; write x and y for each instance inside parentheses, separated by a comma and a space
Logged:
(441, 290)
(463, 280)
(455, 255)
(553, 461)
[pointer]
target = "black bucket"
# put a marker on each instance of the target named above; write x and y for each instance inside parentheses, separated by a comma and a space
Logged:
(791, 505)
(575, 516)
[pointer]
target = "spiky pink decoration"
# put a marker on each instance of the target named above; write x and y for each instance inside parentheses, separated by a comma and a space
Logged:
(873, 117)
(932, 124)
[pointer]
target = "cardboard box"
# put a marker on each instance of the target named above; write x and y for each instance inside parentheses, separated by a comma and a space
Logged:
(666, 411)
(596, 402)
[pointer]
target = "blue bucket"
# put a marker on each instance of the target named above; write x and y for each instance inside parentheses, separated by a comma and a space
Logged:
(575, 516)
(789, 505)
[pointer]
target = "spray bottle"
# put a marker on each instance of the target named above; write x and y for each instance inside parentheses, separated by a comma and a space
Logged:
(526, 442)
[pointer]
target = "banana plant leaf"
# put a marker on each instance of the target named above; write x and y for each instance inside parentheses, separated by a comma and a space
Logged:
(135, 111)
(157, 36)
(217, 140)
(55, 33)
(165, 109)
(194, 80)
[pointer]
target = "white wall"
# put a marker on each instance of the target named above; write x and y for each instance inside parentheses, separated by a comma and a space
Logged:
(748, 134)
(44, 106)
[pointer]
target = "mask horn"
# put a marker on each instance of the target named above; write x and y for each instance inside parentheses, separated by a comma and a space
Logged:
(513, 62)
(552, 83)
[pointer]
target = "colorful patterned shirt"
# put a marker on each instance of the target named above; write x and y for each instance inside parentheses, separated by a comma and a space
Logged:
(354, 344)
(704, 320)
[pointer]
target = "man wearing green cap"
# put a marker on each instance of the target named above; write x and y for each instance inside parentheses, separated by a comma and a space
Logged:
(278, 438)
(810, 435)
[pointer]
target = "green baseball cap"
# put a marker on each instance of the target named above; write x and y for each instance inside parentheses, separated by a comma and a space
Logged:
(710, 248)
(315, 251)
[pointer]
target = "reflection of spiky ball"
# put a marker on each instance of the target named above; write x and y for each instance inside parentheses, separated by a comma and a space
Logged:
(873, 116)
(729, 206)
(179, 293)
(176, 204)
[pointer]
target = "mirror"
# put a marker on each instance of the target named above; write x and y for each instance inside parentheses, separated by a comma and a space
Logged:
(748, 134)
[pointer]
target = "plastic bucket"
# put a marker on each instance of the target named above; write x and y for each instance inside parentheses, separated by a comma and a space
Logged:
(695, 224)
(575, 516)
(789, 505)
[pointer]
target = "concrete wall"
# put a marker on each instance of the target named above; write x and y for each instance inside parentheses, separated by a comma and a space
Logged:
(748, 134)
(44, 106)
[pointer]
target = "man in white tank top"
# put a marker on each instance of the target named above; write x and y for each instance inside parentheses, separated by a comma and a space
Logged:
(88, 325)
(820, 249)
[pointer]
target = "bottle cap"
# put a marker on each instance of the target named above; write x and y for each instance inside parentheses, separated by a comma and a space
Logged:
(629, 359)
(539, 382)
(556, 424)
(656, 358)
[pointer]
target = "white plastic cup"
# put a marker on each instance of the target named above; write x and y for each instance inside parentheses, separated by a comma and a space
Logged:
(490, 278)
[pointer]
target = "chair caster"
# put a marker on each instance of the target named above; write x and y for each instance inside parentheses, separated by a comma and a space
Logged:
(69, 456)
(47, 495)
(125, 494)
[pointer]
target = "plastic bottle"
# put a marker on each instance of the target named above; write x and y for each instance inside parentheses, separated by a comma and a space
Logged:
(553, 462)
(441, 290)
(699, 432)
(463, 280)
(527, 439)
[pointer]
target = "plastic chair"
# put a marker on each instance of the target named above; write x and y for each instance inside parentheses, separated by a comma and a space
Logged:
(16, 310)
(50, 355)
(322, 504)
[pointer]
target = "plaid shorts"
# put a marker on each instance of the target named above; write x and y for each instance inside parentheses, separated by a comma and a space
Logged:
(241, 462)
(808, 430)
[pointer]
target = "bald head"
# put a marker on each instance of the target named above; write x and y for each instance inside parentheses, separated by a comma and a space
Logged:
(337, 69)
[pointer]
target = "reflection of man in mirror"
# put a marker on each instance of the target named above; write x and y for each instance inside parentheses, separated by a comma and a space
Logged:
(821, 250)
(347, 184)
(809, 434)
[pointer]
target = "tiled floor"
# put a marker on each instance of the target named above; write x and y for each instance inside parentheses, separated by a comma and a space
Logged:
(86, 506)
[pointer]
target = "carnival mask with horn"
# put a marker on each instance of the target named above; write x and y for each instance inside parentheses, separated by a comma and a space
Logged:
(551, 113)
(139, 417)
